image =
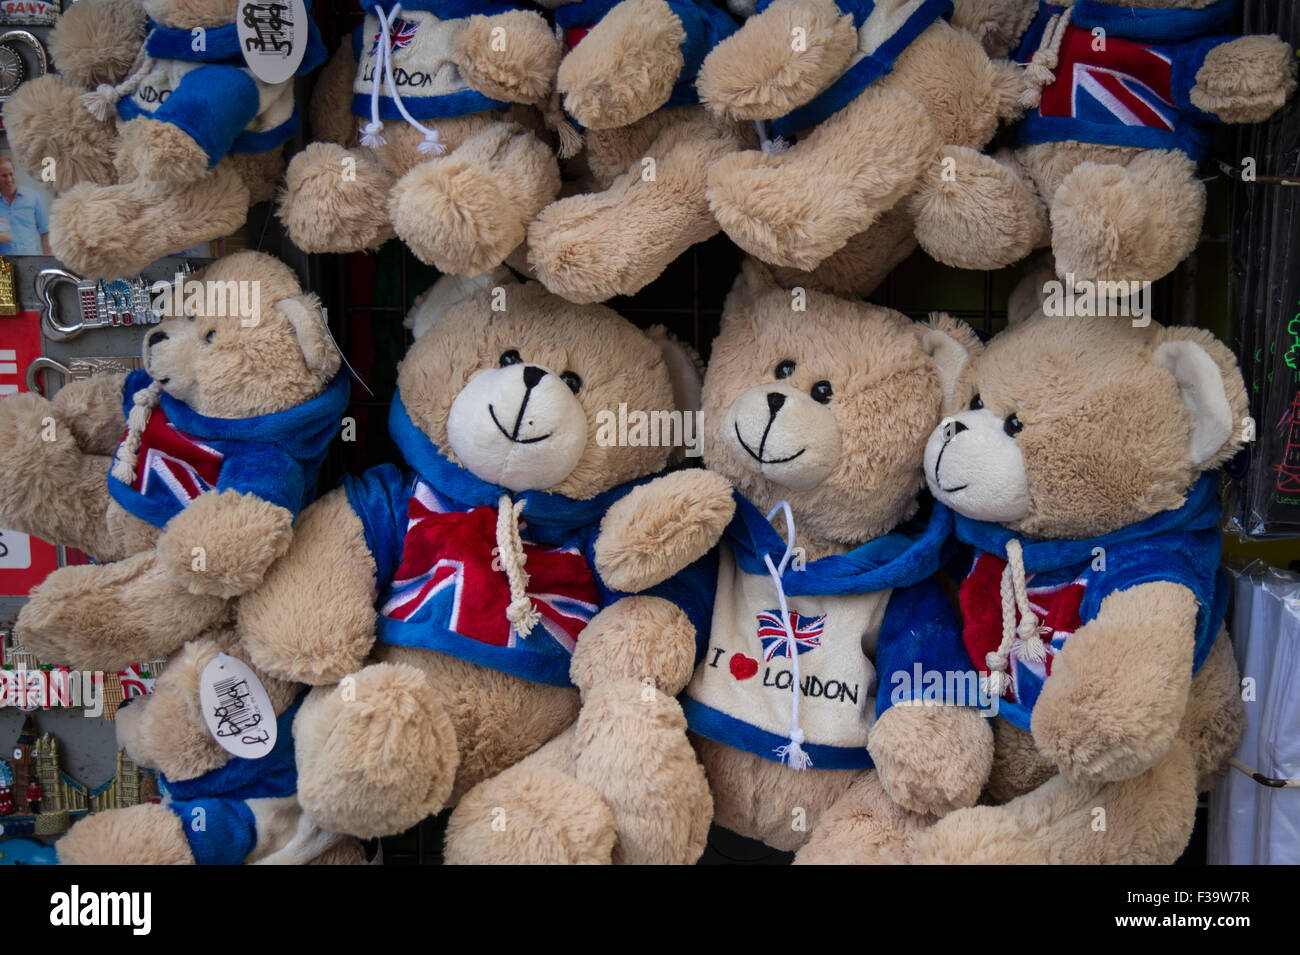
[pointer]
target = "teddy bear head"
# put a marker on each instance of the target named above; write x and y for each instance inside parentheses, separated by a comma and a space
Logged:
(1076, 427)
(166, 731)
(827, 407)
(188, 14)
(241, 338)
(520, 387)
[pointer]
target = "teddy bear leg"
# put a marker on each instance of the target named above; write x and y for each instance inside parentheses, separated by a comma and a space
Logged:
(376, 753)
(593, 246)
(260, 172)
(109, 231)
(147, 834)
(336, 200)
(56, 139)
(932, 759)
(974, 211)
(1216, 716)
(797, 206)
(105, 616)
(863, 827)
(858, 268)
(466, 211)
(1144, 820)
(1132, 223)
(534, 813)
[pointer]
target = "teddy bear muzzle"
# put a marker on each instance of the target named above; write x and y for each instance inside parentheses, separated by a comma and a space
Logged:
(784, 435)
(520, 427)
(973, 465)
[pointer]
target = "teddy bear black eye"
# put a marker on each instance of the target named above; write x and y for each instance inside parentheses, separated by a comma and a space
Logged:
(210, 335)
(572, 379)
(1012, 425)
(785, 369)
(976, 403)
(510, 357)
(821, 392)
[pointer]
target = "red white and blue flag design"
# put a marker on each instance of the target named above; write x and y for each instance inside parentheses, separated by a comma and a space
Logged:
(172, 462)
(776, 642)
(1057, 610)
(399, 37)
(1122, 83)
(449, 577)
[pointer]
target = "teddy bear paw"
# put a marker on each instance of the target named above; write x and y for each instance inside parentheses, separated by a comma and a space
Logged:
(223, 543)
(932, 759)
(335, 200)
(147, 834)
(1246, 80)
(158, 151)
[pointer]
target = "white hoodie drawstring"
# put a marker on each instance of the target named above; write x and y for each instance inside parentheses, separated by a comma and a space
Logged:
(793, 754)
(433, 143)
(510, 557)
(1024, 637)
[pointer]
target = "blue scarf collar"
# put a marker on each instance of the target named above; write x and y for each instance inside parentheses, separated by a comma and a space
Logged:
(274, 775)
(907, 555)
(221, 44)
(555, 516)
(1150, 23)
(1198, 513)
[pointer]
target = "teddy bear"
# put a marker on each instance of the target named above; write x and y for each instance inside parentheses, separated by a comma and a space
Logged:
(824, 605)
(430, 131)
(439, 610)
(1120, 98)
(862, 103)
(217, 808)
(183, 478)
(1083, 475)
(156, 136)
(627, 79)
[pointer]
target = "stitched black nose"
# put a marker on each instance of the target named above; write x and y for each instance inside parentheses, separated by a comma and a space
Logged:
(533, 375)
(774, 401)
(157, 337)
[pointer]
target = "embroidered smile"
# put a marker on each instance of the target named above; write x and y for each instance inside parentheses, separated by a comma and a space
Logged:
(937, 482)
(758, 456)
(518, 420)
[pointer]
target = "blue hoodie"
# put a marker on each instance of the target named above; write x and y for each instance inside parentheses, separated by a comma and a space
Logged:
(212, 95)
(705, 25)
(1133, 90)
(431, 532)
(1069, 579)
(183, 453)
(878, 602)
(213, 808)
(866, 66)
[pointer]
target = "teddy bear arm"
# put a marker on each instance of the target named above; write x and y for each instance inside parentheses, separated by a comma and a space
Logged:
(313, 618)
(757, 72)
(641, 638)
(147, 834)
(224, 541)
(96, 41)
(1245, 80)
(92, 408)
(1119, 687)
(509, 56)
(997, 24)
(662, 527)
(932, 759)
(331, 100)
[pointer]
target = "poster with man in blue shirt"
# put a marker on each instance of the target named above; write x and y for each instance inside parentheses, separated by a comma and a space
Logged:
(27, 215)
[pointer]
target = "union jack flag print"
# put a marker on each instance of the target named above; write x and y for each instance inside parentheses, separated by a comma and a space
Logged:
(169, 457)
(776, 642)
(449, 577)
(1122, 83)
(399, 37)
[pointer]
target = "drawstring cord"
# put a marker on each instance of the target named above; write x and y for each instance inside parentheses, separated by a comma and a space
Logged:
(509, 556)
(766, 142)
(1022, 638)
(105, 96)
(432, 143)
(793, 754)
(1039, 70)
(128, 452)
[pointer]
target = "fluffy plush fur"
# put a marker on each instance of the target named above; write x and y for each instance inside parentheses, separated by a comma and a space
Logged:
(149, 593)
(1110, 429)
(382, 746)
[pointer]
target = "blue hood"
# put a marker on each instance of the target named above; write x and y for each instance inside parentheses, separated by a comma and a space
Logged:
(1151, 23)
(221, 45)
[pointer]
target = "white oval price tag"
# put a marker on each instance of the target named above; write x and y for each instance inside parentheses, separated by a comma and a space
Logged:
(236, 708)
(273, 37)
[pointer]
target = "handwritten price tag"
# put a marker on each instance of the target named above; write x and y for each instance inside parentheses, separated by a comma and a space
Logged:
(273, 37)
(236, 708)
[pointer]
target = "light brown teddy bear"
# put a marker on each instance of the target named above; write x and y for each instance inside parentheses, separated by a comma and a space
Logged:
(475, 585)
(1120, 98)
(826, 410)
(628, 80)
(1083, 472)
(155, 135)
(430, 132)
(874, 95)
(217, 808)
(226, 427)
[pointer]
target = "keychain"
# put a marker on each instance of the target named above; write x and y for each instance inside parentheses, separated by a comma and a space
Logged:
(111, 302)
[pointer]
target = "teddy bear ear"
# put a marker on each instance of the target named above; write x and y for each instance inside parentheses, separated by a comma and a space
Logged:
(1211, 387)
(448, 291)
(685, 369)
(951, 343)
(319, 352)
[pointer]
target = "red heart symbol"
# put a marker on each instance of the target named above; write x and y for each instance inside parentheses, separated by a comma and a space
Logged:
(742, 667)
